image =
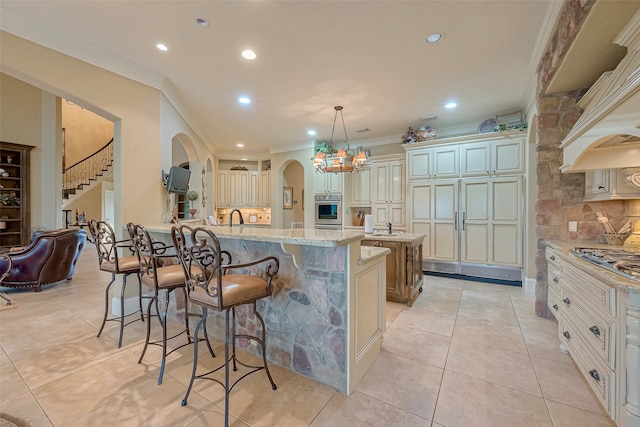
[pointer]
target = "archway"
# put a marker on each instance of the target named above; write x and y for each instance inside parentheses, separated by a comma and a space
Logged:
(293, 186)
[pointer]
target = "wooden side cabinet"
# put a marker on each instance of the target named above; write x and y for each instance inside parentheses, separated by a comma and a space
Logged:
(404, 269)
(14, 195)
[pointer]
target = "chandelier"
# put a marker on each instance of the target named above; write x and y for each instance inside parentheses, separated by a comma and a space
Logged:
(345, 159)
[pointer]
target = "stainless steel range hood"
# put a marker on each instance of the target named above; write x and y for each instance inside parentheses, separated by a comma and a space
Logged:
(607, 135)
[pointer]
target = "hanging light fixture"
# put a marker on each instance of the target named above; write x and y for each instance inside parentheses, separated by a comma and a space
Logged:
(345, 159)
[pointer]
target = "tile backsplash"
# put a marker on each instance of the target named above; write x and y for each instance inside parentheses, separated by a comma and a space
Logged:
(250, 215)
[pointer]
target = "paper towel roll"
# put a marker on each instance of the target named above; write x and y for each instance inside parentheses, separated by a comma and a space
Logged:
(368, 223)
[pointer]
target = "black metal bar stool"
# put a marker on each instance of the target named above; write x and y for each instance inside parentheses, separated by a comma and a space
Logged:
(161, 271)
(111, 261)
(211, 286)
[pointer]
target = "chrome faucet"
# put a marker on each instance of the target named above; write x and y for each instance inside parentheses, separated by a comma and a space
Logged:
(231, 217)
(389, 225)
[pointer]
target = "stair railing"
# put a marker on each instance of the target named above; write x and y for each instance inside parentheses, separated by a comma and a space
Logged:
(88, 169)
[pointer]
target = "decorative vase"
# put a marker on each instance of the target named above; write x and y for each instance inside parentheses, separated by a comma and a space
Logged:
(192, 212)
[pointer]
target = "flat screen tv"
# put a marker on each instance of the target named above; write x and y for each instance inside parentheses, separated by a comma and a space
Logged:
(178, 180)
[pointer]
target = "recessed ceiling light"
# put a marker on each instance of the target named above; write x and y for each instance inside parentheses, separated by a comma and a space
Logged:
(162, 47)
(248, 54)
(244, 158)
(202, 22)
(311, 132)
(244, 100)
(239, 145)
(434, 38)
(450, 105)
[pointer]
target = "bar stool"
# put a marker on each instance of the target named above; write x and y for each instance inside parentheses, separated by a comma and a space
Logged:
(205, 267)
(159, 272)
(111, 261)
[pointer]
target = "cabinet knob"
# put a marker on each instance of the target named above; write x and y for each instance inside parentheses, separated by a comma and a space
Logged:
(555, 306)
(566, 301)
(594, 374)
(600, 187)
(555, 280)
(595, 330)
(552, 257)
(567, 335)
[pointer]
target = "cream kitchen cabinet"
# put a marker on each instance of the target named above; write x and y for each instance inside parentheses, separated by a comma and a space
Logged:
(264, 197)
(431, 163)
(599, 324)
(389, 181)
(491, 221)
(490, 158)
(361, 188)
(389, 193)
(237, 188)
(329, 183)
(608, 184)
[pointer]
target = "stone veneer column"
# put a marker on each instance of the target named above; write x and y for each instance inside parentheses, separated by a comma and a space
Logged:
(558, 194)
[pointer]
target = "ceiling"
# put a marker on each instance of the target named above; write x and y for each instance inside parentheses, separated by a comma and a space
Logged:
(369, 56)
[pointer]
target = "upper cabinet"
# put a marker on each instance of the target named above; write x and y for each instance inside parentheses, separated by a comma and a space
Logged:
(237, 188)
(14, 195)
(328, 183)
(389, 184)
(435, 162)
(489, 158)
(264, 199)
(361, 187)
(608, 184)
(477, 155)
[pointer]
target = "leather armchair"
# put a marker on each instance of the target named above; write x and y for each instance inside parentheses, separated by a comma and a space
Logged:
(49, 258)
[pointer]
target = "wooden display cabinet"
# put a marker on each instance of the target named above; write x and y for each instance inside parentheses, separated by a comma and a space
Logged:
(14, 195)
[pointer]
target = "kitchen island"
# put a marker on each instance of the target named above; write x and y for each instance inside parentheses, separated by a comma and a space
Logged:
(598, 313)
(404, 264)
(326, 316)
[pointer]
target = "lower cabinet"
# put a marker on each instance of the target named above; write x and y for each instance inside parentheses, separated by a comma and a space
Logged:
(404, 269)
(599, 324)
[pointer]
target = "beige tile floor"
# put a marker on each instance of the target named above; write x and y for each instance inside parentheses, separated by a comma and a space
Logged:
(466, 354)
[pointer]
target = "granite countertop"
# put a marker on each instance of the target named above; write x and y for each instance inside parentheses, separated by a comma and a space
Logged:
(395, 237)
(562, 250)
(371, 253)
(295, 236)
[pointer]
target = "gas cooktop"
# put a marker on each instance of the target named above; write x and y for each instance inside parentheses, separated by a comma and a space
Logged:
(614, 260)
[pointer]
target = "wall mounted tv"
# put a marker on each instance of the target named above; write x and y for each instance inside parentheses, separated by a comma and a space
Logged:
(178, 180)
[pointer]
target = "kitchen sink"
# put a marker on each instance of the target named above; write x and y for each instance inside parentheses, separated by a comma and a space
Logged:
(382, 234)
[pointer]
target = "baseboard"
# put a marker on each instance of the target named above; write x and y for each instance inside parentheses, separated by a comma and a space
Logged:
(529, 285)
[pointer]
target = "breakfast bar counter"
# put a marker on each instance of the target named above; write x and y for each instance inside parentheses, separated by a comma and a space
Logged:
(326, 316)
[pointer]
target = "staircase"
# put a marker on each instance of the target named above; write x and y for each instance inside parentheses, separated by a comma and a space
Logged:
(87, 170)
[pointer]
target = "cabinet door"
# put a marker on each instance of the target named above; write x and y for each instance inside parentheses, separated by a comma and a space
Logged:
(234, 189)
(397, 215)
(419, 162)
(380, 174)
(265, 188)
(444, 214)
(507, 157)
(596, 183)
(252, 197)
(396, 182)
(491, 222)
(475, 159)
(419, 196)
(334, 182)
(223, 188)
(320, 182)
(380, 216)
(445, 162)
(362, 187)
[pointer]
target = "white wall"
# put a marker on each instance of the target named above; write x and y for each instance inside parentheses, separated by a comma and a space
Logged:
(144, 125)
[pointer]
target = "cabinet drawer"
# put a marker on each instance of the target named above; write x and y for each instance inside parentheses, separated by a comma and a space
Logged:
(598, 331)
(600, 378)
(589, 289)
(553, 302)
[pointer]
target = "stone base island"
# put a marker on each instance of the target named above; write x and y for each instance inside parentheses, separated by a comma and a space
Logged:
(326, 317)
